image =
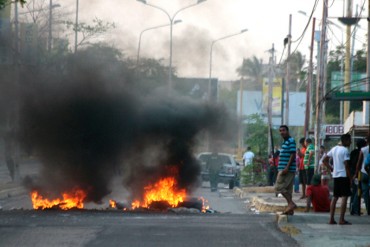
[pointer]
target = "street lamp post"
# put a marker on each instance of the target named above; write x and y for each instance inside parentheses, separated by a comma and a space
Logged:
(210, 58)
(171, 19)
(50, 24)
(150, 28)
(76, 24)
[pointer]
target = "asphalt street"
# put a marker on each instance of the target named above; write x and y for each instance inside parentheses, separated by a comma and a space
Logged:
(231, 224)
(100, 228)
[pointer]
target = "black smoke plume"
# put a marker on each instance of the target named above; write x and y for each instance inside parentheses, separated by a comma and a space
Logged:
(85, 128)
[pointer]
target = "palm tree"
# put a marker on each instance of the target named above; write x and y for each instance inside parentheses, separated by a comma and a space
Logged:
(297, 70)
(252, 69)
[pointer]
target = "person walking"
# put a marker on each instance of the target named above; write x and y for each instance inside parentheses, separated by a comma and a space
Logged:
(341, 176)
(286, 169)
(248, 157)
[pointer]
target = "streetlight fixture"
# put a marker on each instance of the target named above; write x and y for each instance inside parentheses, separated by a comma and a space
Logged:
(210, 58)
(171, 19)
(150, 28)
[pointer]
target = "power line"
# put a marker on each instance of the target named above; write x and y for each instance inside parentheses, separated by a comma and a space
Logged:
(281, 55)
(305, 29)
(308, 22)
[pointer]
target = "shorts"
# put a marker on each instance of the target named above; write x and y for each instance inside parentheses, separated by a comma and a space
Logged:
(310, 172)
(284, 182)
(342, 187)
(302, 177)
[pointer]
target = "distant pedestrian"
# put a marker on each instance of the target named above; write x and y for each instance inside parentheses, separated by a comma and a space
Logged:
(301, 169)
(248, 157)
(273, 168)
(309, 160)
(323, 169)
(362, 177)
(318, 195)
(357, 191)
(215, 164)
(296, 177)
(341, 176)
(286, 169)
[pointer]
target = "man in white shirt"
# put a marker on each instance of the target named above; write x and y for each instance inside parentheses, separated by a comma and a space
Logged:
(341, 177)
(248, 157)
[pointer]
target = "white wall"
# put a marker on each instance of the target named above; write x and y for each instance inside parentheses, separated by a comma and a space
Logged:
(252, 103)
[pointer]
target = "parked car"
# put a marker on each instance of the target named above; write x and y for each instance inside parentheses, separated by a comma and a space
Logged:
(229, 173)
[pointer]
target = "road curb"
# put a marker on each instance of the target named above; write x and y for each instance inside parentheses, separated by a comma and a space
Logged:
(11, 192)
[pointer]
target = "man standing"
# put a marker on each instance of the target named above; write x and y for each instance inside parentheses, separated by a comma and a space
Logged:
(214, 165)
(309, 160)
(363, 179)
(286, 169)
(355, 200)
(248, 157)
(341, 176)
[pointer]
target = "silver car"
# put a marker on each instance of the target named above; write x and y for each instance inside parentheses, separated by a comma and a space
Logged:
(229, 173)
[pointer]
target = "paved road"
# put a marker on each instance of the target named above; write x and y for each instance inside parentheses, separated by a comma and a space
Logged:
(107, 228)
(232, 225)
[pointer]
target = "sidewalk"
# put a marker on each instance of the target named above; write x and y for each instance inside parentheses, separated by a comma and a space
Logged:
(309, 229)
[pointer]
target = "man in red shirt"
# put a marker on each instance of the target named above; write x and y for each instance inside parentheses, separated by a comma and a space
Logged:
(319, 195)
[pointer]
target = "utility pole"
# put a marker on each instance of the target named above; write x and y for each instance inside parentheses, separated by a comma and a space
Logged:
(241, 127)
(50, 24)
(269, 103)
(309, 83)
(288, 72)
(347, 62)
(320, 83)
(365, 104)
(353, 42)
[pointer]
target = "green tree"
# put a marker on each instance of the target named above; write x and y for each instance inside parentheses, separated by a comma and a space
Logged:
(90, 32)
(298, 71)
(3, 3)
(252, 69)
(256, 134)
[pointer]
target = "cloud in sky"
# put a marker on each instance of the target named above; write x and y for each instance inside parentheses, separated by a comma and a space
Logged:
(267, 22)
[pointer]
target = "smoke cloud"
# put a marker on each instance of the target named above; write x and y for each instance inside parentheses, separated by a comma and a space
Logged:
(85, 126)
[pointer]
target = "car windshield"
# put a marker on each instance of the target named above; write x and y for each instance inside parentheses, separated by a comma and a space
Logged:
(225, 159)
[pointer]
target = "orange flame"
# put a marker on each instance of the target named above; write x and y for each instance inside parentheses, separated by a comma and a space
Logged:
(71, 200)
(205, 205)
(112, 203)
(164, 190)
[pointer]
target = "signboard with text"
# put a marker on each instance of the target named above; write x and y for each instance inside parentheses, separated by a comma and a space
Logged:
(334, 130)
